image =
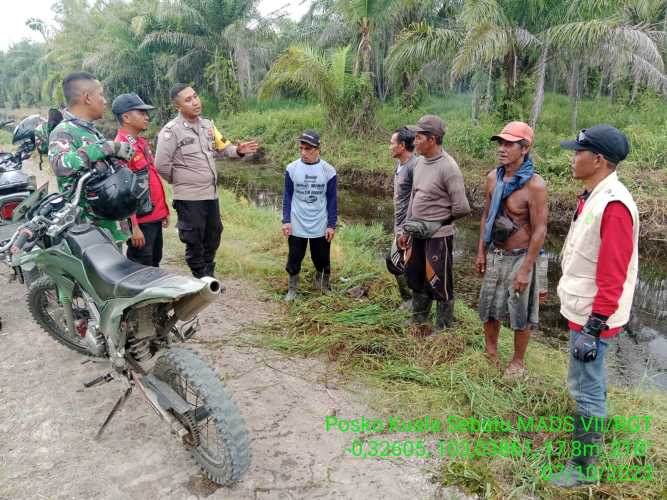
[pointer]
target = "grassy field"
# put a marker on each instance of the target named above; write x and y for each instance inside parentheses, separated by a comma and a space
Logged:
(363, 159)
(368, 341)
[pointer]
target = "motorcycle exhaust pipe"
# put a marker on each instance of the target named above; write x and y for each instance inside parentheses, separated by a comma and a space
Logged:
(187, 307)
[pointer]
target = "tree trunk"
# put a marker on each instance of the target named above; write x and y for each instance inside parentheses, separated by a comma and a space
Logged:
(574, 94)
(475, 97)
(583, 81)
(488, 98)
(363, 59)
(509, 68)
(635, 88)
(539, 88)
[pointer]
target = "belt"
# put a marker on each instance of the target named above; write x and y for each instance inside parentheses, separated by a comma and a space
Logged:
(508, 253)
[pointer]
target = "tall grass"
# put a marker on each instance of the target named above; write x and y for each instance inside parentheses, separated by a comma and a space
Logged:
(278, 123)
(367, 340)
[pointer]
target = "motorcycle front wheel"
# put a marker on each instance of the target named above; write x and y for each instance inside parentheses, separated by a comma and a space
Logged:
(49, 313)
(219, 438)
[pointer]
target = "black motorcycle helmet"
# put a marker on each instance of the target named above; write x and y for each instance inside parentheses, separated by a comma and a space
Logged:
(25, 130)
(115, 194)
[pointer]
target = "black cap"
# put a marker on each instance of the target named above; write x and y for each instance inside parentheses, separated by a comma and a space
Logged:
(603, 139)
(127, 102)
(310, 137)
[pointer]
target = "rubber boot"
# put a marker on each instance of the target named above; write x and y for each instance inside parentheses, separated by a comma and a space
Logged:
(322, 281)
(326, 282)
(581, 469)
(317, 280)
(421, 308)
(199, 273)
(444, 314)
(292, 286)
(403, 288)
(210, 270)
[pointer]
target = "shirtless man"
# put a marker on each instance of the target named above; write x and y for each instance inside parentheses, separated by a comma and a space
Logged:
(513, 227)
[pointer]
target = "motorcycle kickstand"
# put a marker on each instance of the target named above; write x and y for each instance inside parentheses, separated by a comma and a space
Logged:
(99, 380)
(116, 407)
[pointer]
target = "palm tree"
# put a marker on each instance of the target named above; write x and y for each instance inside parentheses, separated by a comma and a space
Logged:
(200, 33)
(347, 99)
(521, 36)
(23, 71)
(366, 15)
(481, 34)
(617, 35)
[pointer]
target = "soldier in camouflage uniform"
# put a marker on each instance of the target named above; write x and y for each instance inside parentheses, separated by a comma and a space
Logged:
(75, 144)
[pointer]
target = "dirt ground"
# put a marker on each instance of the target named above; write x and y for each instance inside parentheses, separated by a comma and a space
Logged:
(48, 420)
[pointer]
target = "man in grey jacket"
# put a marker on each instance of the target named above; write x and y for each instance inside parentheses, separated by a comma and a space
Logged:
(185, 158)
(438, 199)
(401, 147)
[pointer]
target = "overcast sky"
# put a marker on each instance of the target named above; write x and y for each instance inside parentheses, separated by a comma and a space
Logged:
(15, 13)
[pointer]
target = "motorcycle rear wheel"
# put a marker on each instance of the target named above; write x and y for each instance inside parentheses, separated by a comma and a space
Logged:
(223, 448)
(49, 313)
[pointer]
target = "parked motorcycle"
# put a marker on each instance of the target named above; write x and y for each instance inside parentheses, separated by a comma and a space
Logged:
(16, 185)
(95, 301)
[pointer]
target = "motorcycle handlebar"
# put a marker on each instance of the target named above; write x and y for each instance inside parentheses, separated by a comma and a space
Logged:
(39, 223)
(24, 236)
(79, 187)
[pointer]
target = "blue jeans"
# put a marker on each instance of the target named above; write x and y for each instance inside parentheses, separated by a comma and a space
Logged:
(587, 382)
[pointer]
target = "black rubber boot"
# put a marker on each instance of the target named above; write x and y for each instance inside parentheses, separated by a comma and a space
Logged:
(326, 282)
(582, 468)
(444, 314)
(292, 287)
(403, 288)
(317, 280)
(322, 281)
(199, 273)
(210, 270)
(421, 308)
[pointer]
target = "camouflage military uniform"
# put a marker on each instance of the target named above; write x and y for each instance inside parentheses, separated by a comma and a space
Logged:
(76, 144)
(42, 137)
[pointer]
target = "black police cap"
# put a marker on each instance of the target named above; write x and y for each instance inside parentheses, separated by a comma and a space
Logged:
(603, 139)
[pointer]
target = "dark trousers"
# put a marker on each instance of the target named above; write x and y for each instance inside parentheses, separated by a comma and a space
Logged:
(200, 228)
(151, 253)
(428, 267)
(320, 253)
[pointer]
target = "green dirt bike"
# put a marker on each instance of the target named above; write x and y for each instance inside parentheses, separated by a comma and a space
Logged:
(95, 301)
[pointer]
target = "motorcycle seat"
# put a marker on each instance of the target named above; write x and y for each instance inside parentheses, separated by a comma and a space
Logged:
(111, 273)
